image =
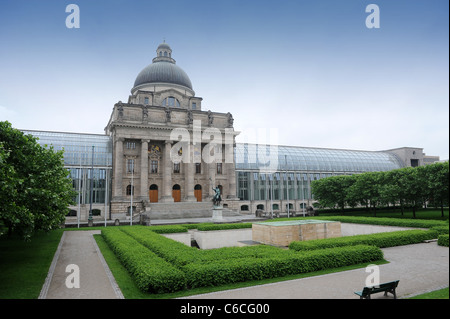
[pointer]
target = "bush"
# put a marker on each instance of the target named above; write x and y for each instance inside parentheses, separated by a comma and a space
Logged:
(208, 227)
(167, 229)
(442, 230)
(170, 250)
(150, 272)
(246, 269)
(443, 240)
(387, 221)
(381, 240)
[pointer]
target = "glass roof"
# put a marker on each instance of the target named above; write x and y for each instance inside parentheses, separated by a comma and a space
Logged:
(78, 147)
(279, 158)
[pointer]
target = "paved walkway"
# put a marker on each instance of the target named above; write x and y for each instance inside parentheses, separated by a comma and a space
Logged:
(95, 279)
(420, 268)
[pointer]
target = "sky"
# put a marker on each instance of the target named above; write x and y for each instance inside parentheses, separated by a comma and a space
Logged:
(292, 72)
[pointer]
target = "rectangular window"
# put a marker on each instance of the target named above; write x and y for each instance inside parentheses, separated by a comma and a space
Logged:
(194, 106)
(131, 145)
(414, 162)
(198, 168)
(146, 101)
(154, 167)
(176, 168)
(130, 166)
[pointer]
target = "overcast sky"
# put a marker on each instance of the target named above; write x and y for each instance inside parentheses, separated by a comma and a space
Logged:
(308, 72)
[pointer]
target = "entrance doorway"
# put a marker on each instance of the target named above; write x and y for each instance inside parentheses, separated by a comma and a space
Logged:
(198, 192)
(153, 193)
(176, 193)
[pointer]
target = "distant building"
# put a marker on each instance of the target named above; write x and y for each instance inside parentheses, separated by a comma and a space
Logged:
(140, 161)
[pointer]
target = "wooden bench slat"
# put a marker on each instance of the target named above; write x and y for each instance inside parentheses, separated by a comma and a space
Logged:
(384, 287)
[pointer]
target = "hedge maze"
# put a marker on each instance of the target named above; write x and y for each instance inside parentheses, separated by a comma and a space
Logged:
(160, 265)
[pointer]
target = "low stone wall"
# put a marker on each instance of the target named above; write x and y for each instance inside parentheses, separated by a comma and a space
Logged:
(283, 233)
(222, 238)
(184, 238)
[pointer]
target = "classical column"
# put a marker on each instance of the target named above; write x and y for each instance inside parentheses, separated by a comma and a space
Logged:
(189, 176)
(167, 174)
(231, 171)
(212, 178)
(118, 168)
(144, 170)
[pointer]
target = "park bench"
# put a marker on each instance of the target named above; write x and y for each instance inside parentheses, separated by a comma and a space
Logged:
(385, 287)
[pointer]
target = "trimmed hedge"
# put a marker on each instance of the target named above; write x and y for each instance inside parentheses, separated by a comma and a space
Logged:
(150, 272)
(159, 264)
(208, 227)
(381, 240)
(442, 230)
(388, 221)
(443, 240)
(168, 229)
(170, 250)
(247, 269)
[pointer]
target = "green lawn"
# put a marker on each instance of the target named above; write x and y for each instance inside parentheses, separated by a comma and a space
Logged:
(24, 265)
(438, 294)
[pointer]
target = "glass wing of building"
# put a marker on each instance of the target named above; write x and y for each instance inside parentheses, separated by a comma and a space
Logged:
(78, 147)
(273, 172)
(281, 158)
(78, 150)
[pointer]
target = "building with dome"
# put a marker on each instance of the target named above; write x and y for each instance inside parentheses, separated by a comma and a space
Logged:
(164, 153)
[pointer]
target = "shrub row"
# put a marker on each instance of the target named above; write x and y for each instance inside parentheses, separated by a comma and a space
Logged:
(172, 251)
(167, 229)
(220, 266)
(381, 240)
(443, 240)
(387, 221)
(150, 272)
(208, 227)
(442, 230)
(247, 269)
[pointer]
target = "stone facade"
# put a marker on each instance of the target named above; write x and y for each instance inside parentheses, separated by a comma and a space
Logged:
(167, 149)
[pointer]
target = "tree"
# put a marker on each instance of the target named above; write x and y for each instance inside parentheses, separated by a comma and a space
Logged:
(332, 191)
(366, 189)
(35, 189)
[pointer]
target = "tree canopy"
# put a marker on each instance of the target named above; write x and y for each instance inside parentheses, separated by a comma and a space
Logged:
(412, 187)
(35, 188)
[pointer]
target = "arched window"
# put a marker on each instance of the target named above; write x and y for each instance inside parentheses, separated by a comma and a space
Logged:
(165, 53)
(129, 189)
(171, 101)
(260, 206)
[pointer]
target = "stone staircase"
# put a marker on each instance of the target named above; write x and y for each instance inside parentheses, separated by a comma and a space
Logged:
(185, 210)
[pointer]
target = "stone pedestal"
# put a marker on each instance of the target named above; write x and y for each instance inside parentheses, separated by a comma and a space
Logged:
(283, 233)
(217, 214)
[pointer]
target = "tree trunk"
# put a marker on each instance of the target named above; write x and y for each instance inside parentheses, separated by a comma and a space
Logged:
(442, 208)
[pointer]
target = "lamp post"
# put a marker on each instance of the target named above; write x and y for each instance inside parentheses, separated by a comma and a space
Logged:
(90, 219)
(131, 201)
(287, 185)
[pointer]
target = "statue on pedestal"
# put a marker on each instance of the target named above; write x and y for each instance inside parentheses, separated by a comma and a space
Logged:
(217, 198)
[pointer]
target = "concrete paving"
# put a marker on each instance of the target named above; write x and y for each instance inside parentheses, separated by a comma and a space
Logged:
(95, 279)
